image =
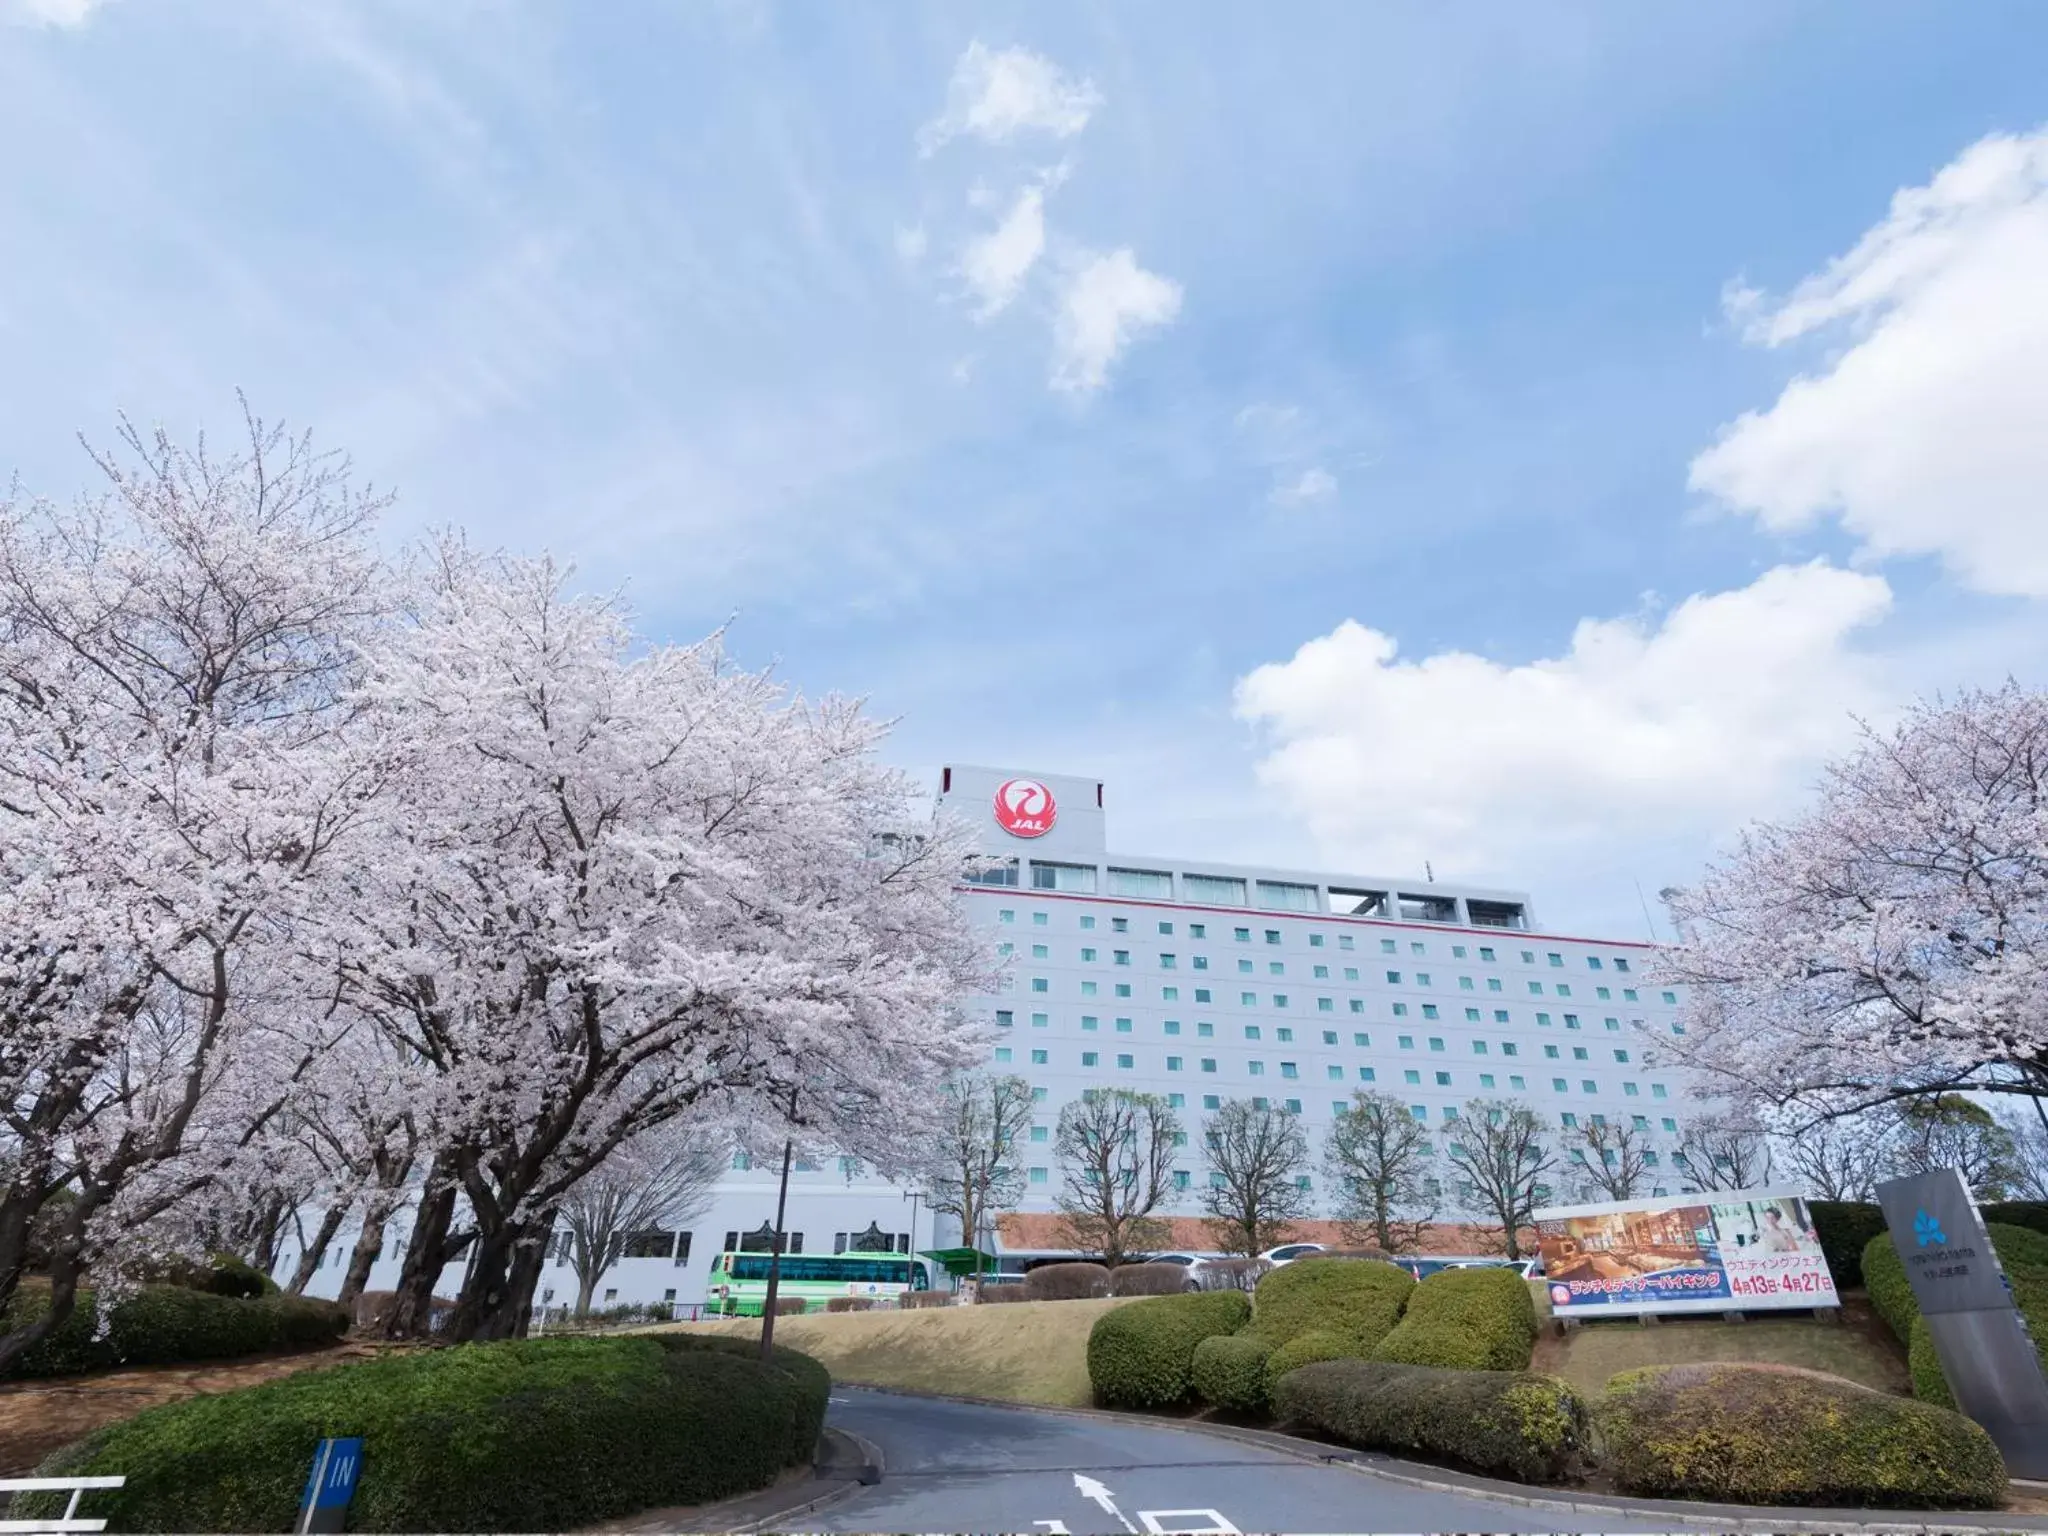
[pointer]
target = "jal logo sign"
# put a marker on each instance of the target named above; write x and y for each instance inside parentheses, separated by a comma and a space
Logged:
(1025, 808)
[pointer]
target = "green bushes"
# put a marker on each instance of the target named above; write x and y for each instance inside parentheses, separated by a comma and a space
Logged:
(1307, 1348)
(545, 1434)
(1142, 1355)
(1465, 1319)
(1767, 1435)
(2022, 1253)
(1845, 1228)
(167, 1324)
(2031, 1214)
(1229, 1372)
(1066, 1282)
(1520, 1425)
(1357, 1298)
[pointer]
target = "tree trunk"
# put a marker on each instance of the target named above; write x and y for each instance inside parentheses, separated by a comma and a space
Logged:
(369, 1244)
(412, 1304)
(586, 1283)
(268, 1234)
(315, 1251)
(484, 1291)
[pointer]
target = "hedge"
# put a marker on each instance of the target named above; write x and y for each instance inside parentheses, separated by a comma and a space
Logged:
(1750, 1434)
(169, 1324)
(1150, 1280)
(1357, 1298)
(1066, 1282)
(2022, 1253)
(1465, 1319)
(542, 1434)
(1845, 1228)
(1229, 1372)
(1142, 1355)
(2031, 1214)
(1513, 1423)
(1307, 1348)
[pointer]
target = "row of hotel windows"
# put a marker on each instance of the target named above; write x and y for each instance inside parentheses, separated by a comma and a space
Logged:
(1290, 1070)
(1167, 962)
(1269, 895)
(1006, 1018)
(1041, 986)
(1417, 947)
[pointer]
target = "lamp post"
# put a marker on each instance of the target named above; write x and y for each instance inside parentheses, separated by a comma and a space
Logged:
(775, 1248)
(913, 1196)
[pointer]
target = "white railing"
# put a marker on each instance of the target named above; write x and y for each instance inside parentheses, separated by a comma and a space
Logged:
(69, 1520)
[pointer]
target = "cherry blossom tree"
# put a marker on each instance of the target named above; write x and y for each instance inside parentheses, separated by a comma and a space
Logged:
(1892, 941)
(622, 882)
(178, 770)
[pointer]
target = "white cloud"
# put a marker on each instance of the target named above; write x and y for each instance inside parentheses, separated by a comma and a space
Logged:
(1312, 484)
(1640, 733)
(911, 244)
(996, 264)
(1924, 435)
(998, 93)
(1108, 300)
(48, 13)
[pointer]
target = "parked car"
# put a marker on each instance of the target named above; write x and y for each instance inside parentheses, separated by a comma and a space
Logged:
(1192, 1262)
(1423, 1266)
(1287, 1253)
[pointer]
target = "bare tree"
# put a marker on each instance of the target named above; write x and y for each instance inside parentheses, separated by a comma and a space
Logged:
(1503, 1149)
(1842, 1157)
(1116, 1152)
(2029, 1132)
(1257, 1160)
(1725, 1151)
(975, 1172)
(1376, 1157)
(1614, 1158)
(651, 1185)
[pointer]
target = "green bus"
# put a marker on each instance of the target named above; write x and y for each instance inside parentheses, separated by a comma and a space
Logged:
(739, 1281)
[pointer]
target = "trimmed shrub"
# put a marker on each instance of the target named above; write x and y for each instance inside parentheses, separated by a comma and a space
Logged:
(813, 1382)
(1749, 1434)
(2022, 1253)
(1150, 1280)
(1141, 1355)
(849, 1304)
(1232, 1274)
(1845, 1228)
(913, 1300)
(1929, 1384)
(168, 1324)
(1067, 1282)
(542, 1434)
(1360, 1300)
(1465, 1319)
(1512, 1423)
(2031, 1214)
(1306, 1349)
(791, 1306)
(1890, 1292)
(1229, 1372)
(1008, 1291)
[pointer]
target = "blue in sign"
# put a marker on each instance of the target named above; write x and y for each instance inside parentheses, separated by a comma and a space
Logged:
(336, 1466)
(1927, 1231)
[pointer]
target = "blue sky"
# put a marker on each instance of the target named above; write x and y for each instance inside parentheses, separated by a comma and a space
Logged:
(1308, 422)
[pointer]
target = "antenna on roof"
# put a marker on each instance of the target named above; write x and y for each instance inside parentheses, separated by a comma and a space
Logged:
(1428, 873)
(1648, 921)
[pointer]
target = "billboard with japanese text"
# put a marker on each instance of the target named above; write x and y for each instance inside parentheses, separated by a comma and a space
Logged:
(1746, 1250)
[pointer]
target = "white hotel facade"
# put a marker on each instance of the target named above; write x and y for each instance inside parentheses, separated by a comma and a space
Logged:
(1204, 982)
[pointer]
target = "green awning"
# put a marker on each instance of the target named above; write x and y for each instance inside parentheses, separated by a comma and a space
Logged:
(960, 1261)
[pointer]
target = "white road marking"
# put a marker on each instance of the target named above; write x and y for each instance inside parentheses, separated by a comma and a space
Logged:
(1053, 1527)
(1089, 1488)
(1212, 1522)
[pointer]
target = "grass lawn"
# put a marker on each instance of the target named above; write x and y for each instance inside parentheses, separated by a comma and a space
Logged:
(1018, 1352)
(1856, 1347)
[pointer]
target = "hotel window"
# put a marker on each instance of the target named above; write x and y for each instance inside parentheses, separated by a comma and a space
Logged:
(1272, 935)
(1358, 1005)
(1169, 994)
(1550, 1052)
(1329, 1037)
(1176, 1101)
(1166, 930)
(1671, 998)
(1517, 1083)
(1208, 1063)
(1412, 1076)
(1087, 954)
(1559, 1085)
(1493, 983)
(1210, 1100)
(1251, 1032)
(1123, 989)
(1283, 1033)
(1628, 995)
(1400, 1010)
(1351, 973)
(1120, 957)
(1244, 967)
(1149, 884)
(1087, 923)
(1006, 915)
(1222, 890)
(1002, 1053)
(1167, 962)
(1478, 1047)
(1676, 1027)
(1039, 919)
(1422, 978)
(1528, 957)
(1472, 1015)
(1630, 1089)
(1393, 978)
(1417, 947)
(1077, 878)
(1315, 941)
(1592, 962)
(1443, 1079)
(1090, 1058)
(1198, 930)
(1172, 1026)
(1201, 962)
(1279, 999)
(1256, 1068)
(1090, 989)
(1344, 941)
(1543, 1019)
(1418, 1112)
(1180, 1178)
(1201, 994)
(1556, 959)
(1509, 1048)
(1605, 994)
(1657, 1091)
(1571, 1021)
(1006, 950)
(1038, 1175)
(1123, 1063)
(1040, 984)
(1005, 1017)
(1436, 1042)
(1568, 1120)
(1564, 989)
(1276, 967)
(1670, 1124)
(1039, 1133)
(1485, 953)
(1119, 925)
(1038, 1095)
(1406, 1042)
(1621, 1056)
(1500, 1015)
(1038, 1058)
(1242, 935)
(1334, 1072)
(1368, 1075)
(1041, 952)
(1620, 964)
(1248, 999)
(1321, 973)
(1123, 1026)
(1289, 1069)
(1535, 989)
(1205, 1030)
(1578, 1053)
(1040, 1020)
(1589, 1085)
(1285, 896)
(1090, 1022)
(1613, 1025)
(1429, 1010)
(1362, 1041)
(1387, 946)
(1457, 951)
(1464, 983)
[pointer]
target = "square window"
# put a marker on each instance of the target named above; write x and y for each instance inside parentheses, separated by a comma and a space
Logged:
(1620, 964)
(1038, 1175)
(1244, 967)
(1550, 1052)
(1120, 957)
(1201, 962)
(1248, 999)
(1169, 994)
(1671, 998)
(1400, 1010)
(1418, 1112)
(1289, 1069)
(1176, 1101)
(1528, 957)
(1201, 994)
(1087, 953)
(1039, 1133)
(1568, 1120)
(1124, 1063)
(1276, 968)
(1315, 941)
(1509, 1048)
(1417, 947)
(1535, 989)
(1436, 1042)
(1351, 973)
(1006, 916)
(1006, 950)
(1578, 1053)
(1361, 1041)
(1429, 1010)
(1242, 935)
(1040, 952)
(1344, 941)
(1205, 1030)
(1621, 1056)
(1123, 989)
(1005, 1018)
(1211, 1101)
(1630, 1089)
(1198, 930)
(1038, 1058)
(1251, 1032)
(1120, 925)
(1559, 1085)
(1464, 983)
(1329, 1037)
(1657, 1090)
(1040, 1020)
(1040, 984)
(1411, 1076)
(1279, 999)
(1628, 995)
(1478, 1047)
(1358, 1005)
(1422, 978)
(1256, 1068)
(1493, 983)
(1613, 1025)
(1485, 953)
(1322, 973)
(1208, 1063)
(1564, 989)
(1517, 1083)
(1556, 959)
(1038, 1095)
(1590, 1086)
(1272, 935)
(1605, 994)
(1406, 1042)
(1087, 922)
(1443, 1079)
(1571, 1021)
(1089, 1058)
(1393, 978)
(1002, 1053)
(1367, 1075)
(1123, 1026)
(1387, 946)
(1089, 989)
(1172, 1026)
(1166, 928)
(1167, 962)
(1283, 1033)
(1472, 1015)
(1334, 1072)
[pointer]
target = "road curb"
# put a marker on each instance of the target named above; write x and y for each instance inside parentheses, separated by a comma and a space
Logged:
(1744, 1518)
(844, 1464)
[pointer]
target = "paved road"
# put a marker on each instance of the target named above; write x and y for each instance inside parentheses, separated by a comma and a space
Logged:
(966, 1467)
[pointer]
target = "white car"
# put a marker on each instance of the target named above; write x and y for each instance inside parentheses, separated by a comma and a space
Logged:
(1287, 1253)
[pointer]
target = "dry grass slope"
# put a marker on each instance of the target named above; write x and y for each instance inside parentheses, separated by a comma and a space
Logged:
(1023, 1352)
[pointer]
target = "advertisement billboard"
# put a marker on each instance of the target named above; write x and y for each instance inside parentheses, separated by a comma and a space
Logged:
(1748, 1250)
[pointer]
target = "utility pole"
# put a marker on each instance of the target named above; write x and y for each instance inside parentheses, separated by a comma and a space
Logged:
(775, 1252)
(913, 1196)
